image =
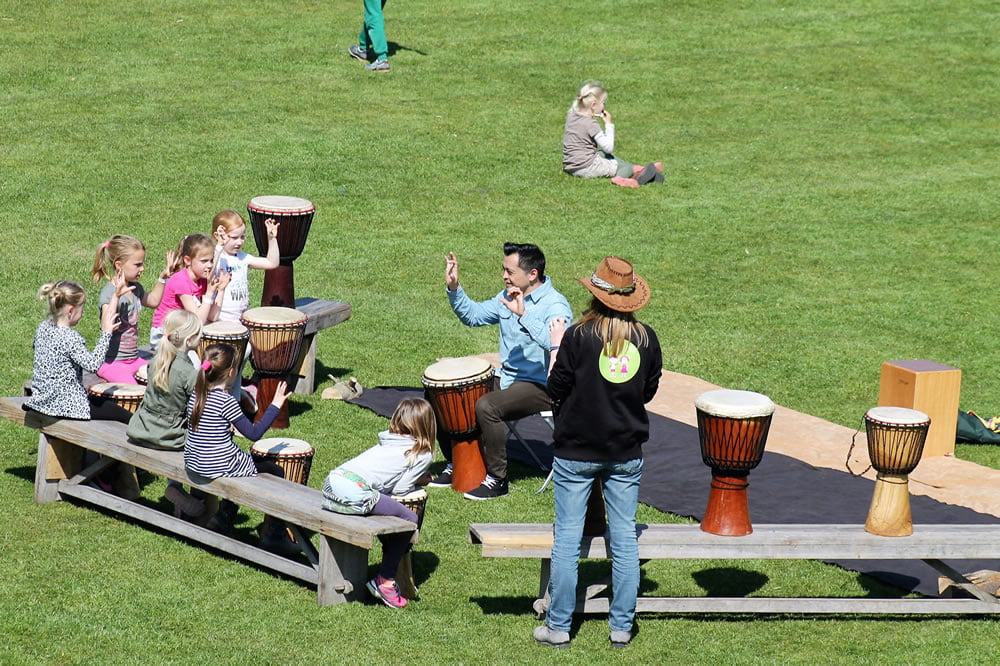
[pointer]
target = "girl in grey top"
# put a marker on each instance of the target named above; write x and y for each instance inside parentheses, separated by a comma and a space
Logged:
(588, 151)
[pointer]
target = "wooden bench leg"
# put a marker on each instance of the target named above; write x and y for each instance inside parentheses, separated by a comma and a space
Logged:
(541, 605)
(343, 569)
(57, 460)
(306, 383)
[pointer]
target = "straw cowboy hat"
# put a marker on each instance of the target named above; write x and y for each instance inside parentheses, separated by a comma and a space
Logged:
(615, 284)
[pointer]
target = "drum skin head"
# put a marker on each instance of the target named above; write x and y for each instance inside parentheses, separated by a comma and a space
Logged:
(224, 328)
(282, 446)
(109, 389)
(453, 369)
(418, 494)
(270, 315)
(897, 415)
(281, 205)
(728, 403)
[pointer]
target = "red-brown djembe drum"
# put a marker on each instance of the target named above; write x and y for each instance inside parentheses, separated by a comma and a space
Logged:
(453, 386)
(732, 427)
(896, 437)
(294, 217)
(275, 341)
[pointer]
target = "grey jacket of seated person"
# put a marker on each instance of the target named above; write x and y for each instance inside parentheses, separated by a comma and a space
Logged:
(161, 420)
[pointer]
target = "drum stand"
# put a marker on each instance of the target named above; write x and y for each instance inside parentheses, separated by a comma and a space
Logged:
(889, 514)
(728, 512)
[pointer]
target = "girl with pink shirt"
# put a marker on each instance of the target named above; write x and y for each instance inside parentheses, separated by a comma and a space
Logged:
(189, 287)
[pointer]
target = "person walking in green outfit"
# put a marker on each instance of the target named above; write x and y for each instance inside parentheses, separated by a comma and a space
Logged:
(372, 45)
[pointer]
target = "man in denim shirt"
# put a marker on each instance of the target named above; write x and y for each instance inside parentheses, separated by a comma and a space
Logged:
(524, 308)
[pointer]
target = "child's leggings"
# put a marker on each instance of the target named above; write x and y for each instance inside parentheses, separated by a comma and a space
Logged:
(394, 546)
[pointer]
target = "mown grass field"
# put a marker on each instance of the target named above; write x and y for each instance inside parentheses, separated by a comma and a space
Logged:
(831, 203)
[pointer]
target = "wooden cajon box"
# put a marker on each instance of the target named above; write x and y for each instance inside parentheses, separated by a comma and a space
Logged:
(932, 388)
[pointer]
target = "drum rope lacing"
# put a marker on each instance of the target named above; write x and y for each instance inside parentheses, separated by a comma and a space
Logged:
(847, 463)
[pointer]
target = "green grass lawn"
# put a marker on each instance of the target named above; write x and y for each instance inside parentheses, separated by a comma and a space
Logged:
(830, 204)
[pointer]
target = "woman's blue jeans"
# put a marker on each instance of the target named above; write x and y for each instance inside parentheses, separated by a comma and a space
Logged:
(572, 480)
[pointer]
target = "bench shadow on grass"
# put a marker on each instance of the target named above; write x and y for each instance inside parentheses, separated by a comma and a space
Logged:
(590, 572)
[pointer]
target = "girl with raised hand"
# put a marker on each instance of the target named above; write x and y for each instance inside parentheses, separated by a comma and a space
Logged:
(125, 255)
(211, 453)
(61, 354)
(588, 150)
(189, 286)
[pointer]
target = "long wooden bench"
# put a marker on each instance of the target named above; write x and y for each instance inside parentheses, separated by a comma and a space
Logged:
(338, 568)
(930, 543)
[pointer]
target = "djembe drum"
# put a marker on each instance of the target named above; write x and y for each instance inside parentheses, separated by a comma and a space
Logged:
(142, 375)
(294, 217)
(275, 342)
(416, 502)
(126, 396)
(732, 427)
(896, 438)
(453, 386)
(293, 456)
(228, 332)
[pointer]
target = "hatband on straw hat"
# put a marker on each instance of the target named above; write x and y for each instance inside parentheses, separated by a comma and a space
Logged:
(615, 284)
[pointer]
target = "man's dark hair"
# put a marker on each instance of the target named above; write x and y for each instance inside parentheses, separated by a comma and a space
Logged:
(529, 257)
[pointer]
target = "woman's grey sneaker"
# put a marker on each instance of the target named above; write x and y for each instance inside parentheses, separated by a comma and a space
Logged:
(378, 66)
(358, 52)
(620, 639)
(550, 637)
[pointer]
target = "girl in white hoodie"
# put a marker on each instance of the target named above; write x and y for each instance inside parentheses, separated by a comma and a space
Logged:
(364, 485)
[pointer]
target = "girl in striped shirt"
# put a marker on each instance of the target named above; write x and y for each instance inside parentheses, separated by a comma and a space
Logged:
(210, 451)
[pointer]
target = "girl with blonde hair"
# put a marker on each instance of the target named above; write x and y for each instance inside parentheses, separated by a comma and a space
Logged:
(61, 355)
(588, 150)
(126, 255)
(607, 367)
(161, 420)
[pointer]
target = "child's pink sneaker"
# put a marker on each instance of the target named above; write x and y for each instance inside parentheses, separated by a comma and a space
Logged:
(625, 182)
(387, 591)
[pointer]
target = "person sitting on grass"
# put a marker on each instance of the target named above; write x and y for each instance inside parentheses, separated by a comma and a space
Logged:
(588, 151)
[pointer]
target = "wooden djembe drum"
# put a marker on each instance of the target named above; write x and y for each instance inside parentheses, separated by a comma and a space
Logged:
(453, 386)
(231, 333)
(732, 427)
(294, 217)
(275, 342)
(896, 437)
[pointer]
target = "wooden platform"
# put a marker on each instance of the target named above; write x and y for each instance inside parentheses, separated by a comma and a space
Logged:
(929, 543)
(339, 567)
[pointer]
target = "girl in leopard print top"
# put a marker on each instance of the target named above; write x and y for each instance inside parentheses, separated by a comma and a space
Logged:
(61, 355)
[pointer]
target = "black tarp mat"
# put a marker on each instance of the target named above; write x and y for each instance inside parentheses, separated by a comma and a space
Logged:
(782, 489)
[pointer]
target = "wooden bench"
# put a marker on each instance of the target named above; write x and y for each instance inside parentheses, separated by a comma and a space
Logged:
(322, 314)
(930, 543)
(338, 569)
